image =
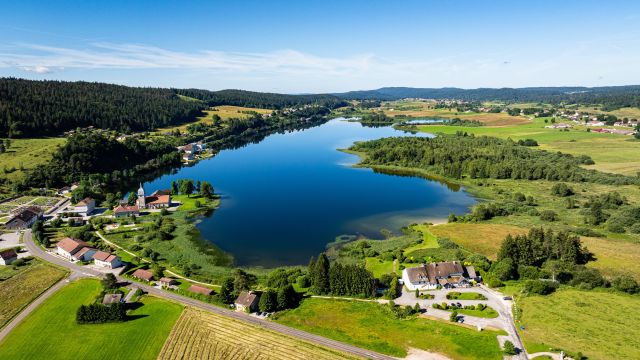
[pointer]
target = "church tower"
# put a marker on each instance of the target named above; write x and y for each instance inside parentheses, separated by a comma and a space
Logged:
(141, 198)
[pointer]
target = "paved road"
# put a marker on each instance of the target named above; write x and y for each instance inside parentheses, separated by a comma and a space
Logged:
(504, 320)
(79, 271)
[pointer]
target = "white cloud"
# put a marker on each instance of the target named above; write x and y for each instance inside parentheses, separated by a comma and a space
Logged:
(31, 57)
(39, 69)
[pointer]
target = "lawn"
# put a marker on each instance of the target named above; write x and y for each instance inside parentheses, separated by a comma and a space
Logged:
(203, 335)
(26, 154)
(601, 325)
(373, 326)
(20, 287)
(488, 313)
(224, 111)
(51, 331)
(484, 239)
(454, 295)
(379, 267)
(429, 241)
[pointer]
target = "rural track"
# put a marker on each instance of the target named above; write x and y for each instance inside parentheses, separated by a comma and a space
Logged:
(78, 271)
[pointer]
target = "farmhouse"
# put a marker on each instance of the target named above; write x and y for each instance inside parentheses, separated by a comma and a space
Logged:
(23, 218)
(122, 211)
(433, 275)
(247, 301)
(157, 200)
(200, 290)
(67, 247)
(106, 260)
(141, 274)
(8, 256)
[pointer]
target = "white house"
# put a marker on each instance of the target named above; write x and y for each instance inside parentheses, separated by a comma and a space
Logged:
(68, 247)
(106, 260)
(84, 207)
(431, 276)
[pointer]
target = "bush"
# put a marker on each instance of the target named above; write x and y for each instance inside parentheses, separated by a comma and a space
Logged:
(562, 190)
(626, 283)
(539, 287)
(504, 270)
(548, 215)
(528, 272)
(454, 316)
(587, 278)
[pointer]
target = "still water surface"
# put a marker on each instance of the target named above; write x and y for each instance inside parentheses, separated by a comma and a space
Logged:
(286, 197)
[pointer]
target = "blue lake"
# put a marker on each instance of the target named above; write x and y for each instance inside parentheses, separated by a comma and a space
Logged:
(286, 197)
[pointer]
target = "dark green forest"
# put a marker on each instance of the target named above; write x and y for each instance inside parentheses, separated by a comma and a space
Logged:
(479, 157)
(261, 100)
(37, 108)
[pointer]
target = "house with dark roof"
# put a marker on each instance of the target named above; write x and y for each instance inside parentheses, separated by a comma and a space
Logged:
(8, 256)
(142, 274)
(247, 301)
(106, 260)
(23, 218)
(431, 276)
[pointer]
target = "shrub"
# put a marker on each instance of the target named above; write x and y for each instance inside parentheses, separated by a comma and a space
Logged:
(454, 316)
(562, 190)
(98, 313)
(539, 287)
(626, 283)
(528, 272)
(548, 215)
(504, 270)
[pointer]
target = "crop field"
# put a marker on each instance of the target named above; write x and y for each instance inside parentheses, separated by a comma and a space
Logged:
(52, 329)
(44, 202)
(372, 326)
(600, 324)
(421, 109)
(22, 286)
(484, 239)
(202, 335)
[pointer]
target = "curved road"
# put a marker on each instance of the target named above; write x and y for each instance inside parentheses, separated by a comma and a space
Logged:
(78, 271)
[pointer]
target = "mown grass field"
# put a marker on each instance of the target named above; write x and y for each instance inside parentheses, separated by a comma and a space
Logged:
(202, 335)
(224, 111)
(611, 152)
(372, 326)
(484, 239)
(26, 154)
(51, 331)
(420, 109)
(601, 325)
(614, 257)
(21, 286)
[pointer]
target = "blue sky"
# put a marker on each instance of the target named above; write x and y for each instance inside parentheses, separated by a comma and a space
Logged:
(323, 46)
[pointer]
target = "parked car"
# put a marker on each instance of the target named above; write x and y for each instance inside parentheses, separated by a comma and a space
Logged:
(507, 298)
(459, 305)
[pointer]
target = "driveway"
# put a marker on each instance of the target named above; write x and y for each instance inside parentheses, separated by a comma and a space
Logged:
(504, 321)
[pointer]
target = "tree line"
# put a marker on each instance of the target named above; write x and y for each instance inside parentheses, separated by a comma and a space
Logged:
(481, 157)
(340, 280)
(261, 100)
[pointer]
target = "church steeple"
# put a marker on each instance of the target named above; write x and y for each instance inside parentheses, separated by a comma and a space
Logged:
(142, 203)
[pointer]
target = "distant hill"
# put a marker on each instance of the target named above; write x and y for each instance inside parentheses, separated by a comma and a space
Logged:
(259, 99)
(31, 108)
(608, 96)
